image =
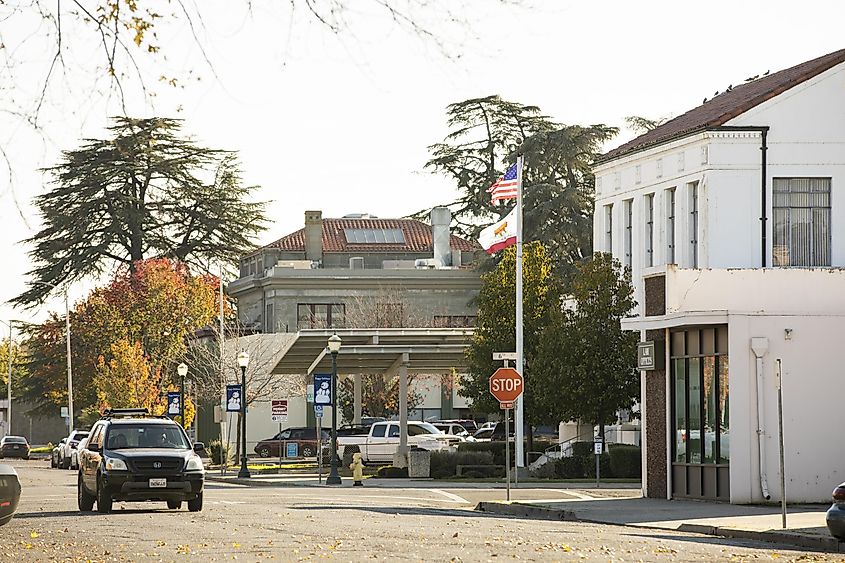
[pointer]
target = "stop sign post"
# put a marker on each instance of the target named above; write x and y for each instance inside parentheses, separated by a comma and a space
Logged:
(506, 385)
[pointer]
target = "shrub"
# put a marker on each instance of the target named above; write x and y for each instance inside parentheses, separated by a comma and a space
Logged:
(219, 451)
(625, 461)
(581, 449)
(445, 463)
(569, 468)
(589, 464)
(390, 472)
(545, 471)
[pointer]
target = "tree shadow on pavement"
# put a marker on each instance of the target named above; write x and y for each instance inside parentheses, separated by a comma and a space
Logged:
(118, 511)
(721, 540)
(408, 511)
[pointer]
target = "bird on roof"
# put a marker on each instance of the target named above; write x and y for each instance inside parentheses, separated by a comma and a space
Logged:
(752, 78)
(704, 101)
(766, 73)
(716, 93)
(730, 87)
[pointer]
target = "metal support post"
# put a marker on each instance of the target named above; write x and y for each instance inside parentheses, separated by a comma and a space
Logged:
(334, 476)
(244, 472)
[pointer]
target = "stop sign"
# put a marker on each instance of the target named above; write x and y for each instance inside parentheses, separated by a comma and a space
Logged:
(506, 385)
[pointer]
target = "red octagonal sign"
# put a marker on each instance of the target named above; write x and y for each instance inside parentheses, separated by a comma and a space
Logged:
(506, 385)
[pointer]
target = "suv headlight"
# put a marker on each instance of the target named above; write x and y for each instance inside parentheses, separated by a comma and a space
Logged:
(115, 464)
(194, 464)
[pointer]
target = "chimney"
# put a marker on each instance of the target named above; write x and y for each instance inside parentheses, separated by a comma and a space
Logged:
(314, 236)
(441, 218)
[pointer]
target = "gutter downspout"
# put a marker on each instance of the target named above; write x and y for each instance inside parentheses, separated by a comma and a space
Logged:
(764, 173)
(760, 346)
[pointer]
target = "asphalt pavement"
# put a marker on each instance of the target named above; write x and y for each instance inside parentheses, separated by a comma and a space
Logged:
(424, 522)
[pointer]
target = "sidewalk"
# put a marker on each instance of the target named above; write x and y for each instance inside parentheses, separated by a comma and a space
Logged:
(805, 524)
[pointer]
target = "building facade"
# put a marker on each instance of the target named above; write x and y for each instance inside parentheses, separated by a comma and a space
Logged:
(731, 218)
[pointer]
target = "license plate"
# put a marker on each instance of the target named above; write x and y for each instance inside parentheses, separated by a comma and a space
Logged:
(158, 483)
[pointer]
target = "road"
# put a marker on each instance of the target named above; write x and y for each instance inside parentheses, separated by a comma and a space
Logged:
(309, 523)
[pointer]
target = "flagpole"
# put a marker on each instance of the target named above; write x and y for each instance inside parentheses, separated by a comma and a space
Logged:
(518, 453)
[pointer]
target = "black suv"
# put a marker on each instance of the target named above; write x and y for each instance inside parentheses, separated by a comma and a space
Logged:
(131, 456)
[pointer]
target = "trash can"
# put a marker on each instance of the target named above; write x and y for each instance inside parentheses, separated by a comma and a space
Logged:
(419, 463)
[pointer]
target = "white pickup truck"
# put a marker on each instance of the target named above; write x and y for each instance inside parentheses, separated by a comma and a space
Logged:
(383, 440)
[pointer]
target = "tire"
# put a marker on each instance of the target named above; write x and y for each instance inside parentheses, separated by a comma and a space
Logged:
(65, 464)
(347, 455)
(174, 504)
(104, 500)
(84, 499)
(52, 461)
(195, 505)
(307, 451)
(264, 451)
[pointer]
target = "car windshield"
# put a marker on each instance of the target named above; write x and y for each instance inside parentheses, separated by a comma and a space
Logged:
(146, 436)
(422, 428)
(14, 440)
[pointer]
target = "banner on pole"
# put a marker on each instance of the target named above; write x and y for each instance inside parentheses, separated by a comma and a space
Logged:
(233, 398)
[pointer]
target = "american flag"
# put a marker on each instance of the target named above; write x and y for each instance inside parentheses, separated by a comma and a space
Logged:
(506, 186)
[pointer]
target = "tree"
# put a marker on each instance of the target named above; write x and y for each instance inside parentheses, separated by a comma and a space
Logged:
(585, 361)
(151, 310)
(644, 124)
(496, 326)
(144, 193)
(19, 373)
(486, 135)
(379, 395)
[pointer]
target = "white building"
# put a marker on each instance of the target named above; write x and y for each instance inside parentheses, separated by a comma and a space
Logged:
(732, 219)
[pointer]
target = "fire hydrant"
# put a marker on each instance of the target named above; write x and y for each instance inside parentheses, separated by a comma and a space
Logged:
(357, 467)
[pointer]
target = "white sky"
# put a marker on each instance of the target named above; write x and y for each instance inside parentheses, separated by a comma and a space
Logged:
(343, 125)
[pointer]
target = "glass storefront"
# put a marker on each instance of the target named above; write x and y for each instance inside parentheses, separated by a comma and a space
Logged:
(701, 425)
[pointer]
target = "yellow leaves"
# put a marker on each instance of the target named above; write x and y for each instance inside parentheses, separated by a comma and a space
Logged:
(236, 545)
(33, 534)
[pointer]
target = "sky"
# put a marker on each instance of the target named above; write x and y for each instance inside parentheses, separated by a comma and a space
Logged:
(341, 122)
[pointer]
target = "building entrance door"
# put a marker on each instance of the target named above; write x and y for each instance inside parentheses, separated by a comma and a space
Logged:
(700, 430)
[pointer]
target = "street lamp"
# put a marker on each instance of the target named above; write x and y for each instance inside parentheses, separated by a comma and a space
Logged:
(67, 341)
(334, 348)
(182, 370)
(243, 361)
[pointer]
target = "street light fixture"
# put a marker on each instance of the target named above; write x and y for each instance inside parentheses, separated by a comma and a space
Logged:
(243, 362)
(182, 370)
(334, 347)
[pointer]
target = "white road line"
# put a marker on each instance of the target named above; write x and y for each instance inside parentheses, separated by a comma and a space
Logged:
(453, 497)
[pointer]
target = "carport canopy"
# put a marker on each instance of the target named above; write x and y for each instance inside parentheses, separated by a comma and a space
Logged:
(386, 351)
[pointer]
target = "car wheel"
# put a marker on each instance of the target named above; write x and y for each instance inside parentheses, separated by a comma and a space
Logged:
(104, 500)
(174, 504)
(195, 505)
(52, 461)
(84, 499)
(307, 451)
(264, 451)
(65, 463)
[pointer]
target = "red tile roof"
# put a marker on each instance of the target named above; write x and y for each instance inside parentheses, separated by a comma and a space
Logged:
(418, 237)
(728, 105)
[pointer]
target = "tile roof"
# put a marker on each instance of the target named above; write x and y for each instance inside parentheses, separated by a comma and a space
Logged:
(728, 105)
(418, 237)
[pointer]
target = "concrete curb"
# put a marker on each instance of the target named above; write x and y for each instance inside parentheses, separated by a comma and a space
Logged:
(785, 537)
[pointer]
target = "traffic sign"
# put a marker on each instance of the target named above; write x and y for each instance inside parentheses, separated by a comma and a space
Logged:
(506, 385)
(279, 410)
(318, 411)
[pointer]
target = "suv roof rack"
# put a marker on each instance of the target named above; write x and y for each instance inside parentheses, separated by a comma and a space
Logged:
(130, 413)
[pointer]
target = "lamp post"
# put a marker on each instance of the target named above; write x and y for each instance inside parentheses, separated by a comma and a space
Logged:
(67, 342)
(182, 370)
(9, 380)
(243, 362)
(334, 348)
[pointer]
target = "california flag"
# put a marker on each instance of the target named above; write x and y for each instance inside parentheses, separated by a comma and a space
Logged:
(499, 235)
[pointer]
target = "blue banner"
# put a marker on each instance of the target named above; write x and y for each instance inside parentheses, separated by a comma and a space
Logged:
(173, 400)
(233, 398)
(293, 449)
(322, 389)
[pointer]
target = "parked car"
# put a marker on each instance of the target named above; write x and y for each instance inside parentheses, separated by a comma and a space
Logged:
(453, 429)
(304, 437)
(487, 425)
(10, 493)
(14, 446)
(468, 424)
(54, 455)
(74, 453)
(836, 514)
(132, 456)
(71, 442)
(383, 441)
(353, 430)
(484, 434)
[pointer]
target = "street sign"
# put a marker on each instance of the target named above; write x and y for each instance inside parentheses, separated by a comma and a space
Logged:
(499, 356)
(64, 412)
(309, 393)
(597, 447)
(318, 411)
(645, 355)
(323, 389)
(506, 385)
(233, 398)
(292, 449)
(173, 403)
(279, 410)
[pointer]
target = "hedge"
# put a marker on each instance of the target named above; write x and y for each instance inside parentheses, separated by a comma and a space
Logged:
(445, 463)
(621, 461)
(625, 461)
(390, 472)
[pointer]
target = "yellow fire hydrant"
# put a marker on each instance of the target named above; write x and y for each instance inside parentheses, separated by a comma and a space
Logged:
(357, 467)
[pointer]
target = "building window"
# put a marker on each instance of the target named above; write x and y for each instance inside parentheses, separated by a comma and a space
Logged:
(693, 224)
(454, 321)
(629, 220)
(670, 226)
(608, 228)
(801, 209)
(649, 230)
(321, 315)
